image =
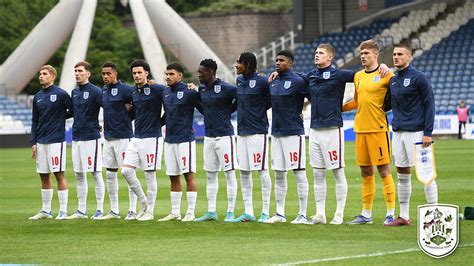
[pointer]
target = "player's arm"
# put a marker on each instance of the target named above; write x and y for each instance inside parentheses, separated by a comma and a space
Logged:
(34, 121)
(352, 104)
(232, 91)
(196, 99)
(429, 109)
(384, 70)
(68, 106)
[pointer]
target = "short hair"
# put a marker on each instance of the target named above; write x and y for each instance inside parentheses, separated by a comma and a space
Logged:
(209, 63)
(140, 63)
(405, 45)
(87, 66)
(328, 47)
(50, 69)
(176, 66)
(369, 44)
(110, 64)
(249, 60)
(287, 54)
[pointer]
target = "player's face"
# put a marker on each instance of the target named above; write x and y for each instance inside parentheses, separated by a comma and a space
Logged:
(46, 79)
(82, 75)
(283, 63)
(401, 57)
(322, 58)
(173, 77)
(205, 75)
(368, 57)
(240, 67)
(140, 76)
(109, 75)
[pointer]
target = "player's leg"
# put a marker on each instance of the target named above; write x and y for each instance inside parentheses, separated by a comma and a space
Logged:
(133, 160)
(43, 169)
(111, 166)
(258, 147)
(380, 155)
(318, 162)
(281, 184)
(299, 145)
(228, 158)
(402, 148)
(245, 160)
(79, 162)
(187, 153)
(368, 180)
(56, 152)
(211, 166)
(94, 161)
(173, 170)
(334, 149)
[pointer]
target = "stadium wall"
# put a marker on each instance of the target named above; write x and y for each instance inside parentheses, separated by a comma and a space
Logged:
(229, 35)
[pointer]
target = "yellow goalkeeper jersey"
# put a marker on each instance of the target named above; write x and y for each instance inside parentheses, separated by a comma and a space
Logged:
(371, 90)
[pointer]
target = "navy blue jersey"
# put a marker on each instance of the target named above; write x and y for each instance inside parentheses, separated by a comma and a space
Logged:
(117, 121)
(218, 101)
(288, 91)
(412, 101)
(327, 86)
(51, 107)
(147, 105)
(179, 102)
(86, 103)
(253, 101)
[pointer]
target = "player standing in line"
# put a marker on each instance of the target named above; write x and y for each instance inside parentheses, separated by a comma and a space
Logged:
(117, 132)
(253, 101)
(372, 132)
(288, 91)
(218, 99)
(413, 109)
(51, 107)
(86, 144)
(326, 137)
(180, 144)
(146, 147)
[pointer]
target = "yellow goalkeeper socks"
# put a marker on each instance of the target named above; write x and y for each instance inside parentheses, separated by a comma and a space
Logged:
(389, 191)
(368, 192)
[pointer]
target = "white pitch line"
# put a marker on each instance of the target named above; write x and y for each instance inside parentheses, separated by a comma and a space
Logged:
(363, 255)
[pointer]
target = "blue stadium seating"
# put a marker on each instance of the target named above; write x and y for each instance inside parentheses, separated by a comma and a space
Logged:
(16, 110)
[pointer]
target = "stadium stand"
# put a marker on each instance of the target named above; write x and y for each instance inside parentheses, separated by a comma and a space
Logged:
(14, 117)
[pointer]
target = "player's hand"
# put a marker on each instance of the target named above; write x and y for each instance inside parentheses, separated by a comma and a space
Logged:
(427, 141)
(128, 106)
(191, 86)
(101, 128)
(33, 151)
(384, 70)
(272, 76)
(152, 81)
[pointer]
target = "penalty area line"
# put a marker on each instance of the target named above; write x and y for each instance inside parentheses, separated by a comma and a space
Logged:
(376, 254)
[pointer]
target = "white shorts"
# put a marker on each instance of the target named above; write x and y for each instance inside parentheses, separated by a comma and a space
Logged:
(403, 147)
(219, 153)
(288, 153)
(180, 158)
(144, 153)
(252, 152)
(50, 158)
(326, 148)
(114, 152)
(87, 156)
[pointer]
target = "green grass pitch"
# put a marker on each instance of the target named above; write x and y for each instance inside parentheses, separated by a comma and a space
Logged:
(126, 242)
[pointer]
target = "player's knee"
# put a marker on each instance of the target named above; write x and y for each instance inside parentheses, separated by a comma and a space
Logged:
(126, 171)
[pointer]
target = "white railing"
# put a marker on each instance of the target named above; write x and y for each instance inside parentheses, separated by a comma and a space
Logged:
(267, 53)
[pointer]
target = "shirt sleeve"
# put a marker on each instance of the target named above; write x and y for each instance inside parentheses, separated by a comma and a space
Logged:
(34, 121)
(347, 75)
(197, 102)
(428, 103)
(68, 106)
(232, 92)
